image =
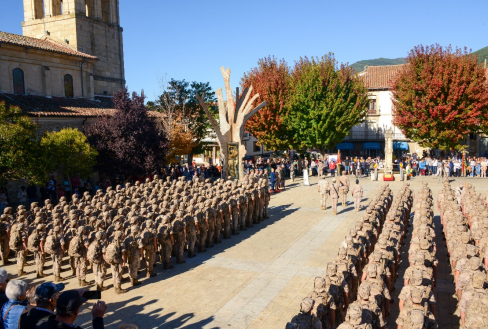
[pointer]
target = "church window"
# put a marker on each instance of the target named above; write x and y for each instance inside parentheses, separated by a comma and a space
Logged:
(106, 11)
(68, 86)
(90, 8)
(19, 86)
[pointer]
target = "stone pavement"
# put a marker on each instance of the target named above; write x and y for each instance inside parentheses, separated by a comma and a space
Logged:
(255, 279)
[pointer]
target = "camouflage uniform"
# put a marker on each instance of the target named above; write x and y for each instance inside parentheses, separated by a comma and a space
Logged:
(78, 249)
(334, 195)
(35, 244)
(165, 238)
(134, 248)
(323, 188)
(179, 235)
(18, 243)
(95, 256)
(4, 240)
(149, 240)
(117, 247)
(344, 188)
(357, 193)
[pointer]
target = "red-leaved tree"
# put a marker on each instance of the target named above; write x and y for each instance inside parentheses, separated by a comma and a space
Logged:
(440, 97)
(129, 142)
(270, 80)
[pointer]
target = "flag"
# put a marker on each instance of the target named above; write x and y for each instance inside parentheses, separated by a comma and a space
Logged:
(401, 165)
(338, 156)
(375, 165)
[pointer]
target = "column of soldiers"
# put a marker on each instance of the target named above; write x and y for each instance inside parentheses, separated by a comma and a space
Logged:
(464, 217)
(357, 280)
(125, 227)
(416, 299)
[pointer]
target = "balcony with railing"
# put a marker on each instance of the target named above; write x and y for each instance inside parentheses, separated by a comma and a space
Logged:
(372, 135)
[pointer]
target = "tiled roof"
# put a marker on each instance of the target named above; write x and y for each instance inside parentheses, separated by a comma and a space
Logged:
(380, 77)
(63, 107)
(43, 44)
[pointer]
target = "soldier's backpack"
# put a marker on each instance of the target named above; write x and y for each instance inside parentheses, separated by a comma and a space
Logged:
(146, 238)
(3, 230)
(112, 254)
(74, 249)
(94, 253)
(49, 244)
(33, 242)
(15, 242)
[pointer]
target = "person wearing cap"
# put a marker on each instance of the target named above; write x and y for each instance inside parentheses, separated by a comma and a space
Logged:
(68, 306)
(45, 299)
(16, 293)
(3, 285)
(357, 194)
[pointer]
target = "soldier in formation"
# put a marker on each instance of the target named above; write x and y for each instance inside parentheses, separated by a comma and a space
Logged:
(130, 226)
(355, 293)
(464, 216)
(357, 194)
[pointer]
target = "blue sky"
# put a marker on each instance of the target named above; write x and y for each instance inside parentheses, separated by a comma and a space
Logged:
(192, 39)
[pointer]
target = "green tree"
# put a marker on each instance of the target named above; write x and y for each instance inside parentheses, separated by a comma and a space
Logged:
(178, 100)
(325, 101)
(20, 154)
(69, 152)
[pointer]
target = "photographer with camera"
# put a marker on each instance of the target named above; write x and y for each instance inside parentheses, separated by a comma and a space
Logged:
(68, 306)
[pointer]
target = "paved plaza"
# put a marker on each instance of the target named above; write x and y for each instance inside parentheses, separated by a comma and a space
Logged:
(257, 278)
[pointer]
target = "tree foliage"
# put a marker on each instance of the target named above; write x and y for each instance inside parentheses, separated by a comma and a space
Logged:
(178, 99)
(325, 101)
(270, 79)
(20, 154)
(69, 152)
(440, 97)
(129, 142)
(181, 140)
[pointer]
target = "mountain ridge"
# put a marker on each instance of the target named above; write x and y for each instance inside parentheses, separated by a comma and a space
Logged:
(359, 66)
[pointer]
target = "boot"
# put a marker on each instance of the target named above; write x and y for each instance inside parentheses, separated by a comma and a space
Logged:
(167, 266)
(59, 279)
(150, 274)
(134, 282)
(84, 283)
(234, 232)
(180, 261)
(334, 213)
(119, 291)
(73, 272)
(191, 254)
(21, 272)
(42, 275)
(100, 287)
(322, 208)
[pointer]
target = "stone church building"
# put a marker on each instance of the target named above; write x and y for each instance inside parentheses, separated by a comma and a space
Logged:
(66, 65)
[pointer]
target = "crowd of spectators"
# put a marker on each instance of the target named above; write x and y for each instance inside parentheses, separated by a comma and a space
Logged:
(45, 306)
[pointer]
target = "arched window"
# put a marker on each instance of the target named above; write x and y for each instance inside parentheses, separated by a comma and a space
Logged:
(19, 86)
(68, 86)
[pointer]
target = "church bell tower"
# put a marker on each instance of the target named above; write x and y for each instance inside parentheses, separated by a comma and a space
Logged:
(89, 26)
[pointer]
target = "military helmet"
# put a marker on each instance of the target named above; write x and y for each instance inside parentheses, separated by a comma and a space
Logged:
(306, 305)
(417, 295)
(372, 270)
(355, 313)
(474, 263)
(364, 290)
(319, 283)
(417, 277)
(331, 269)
